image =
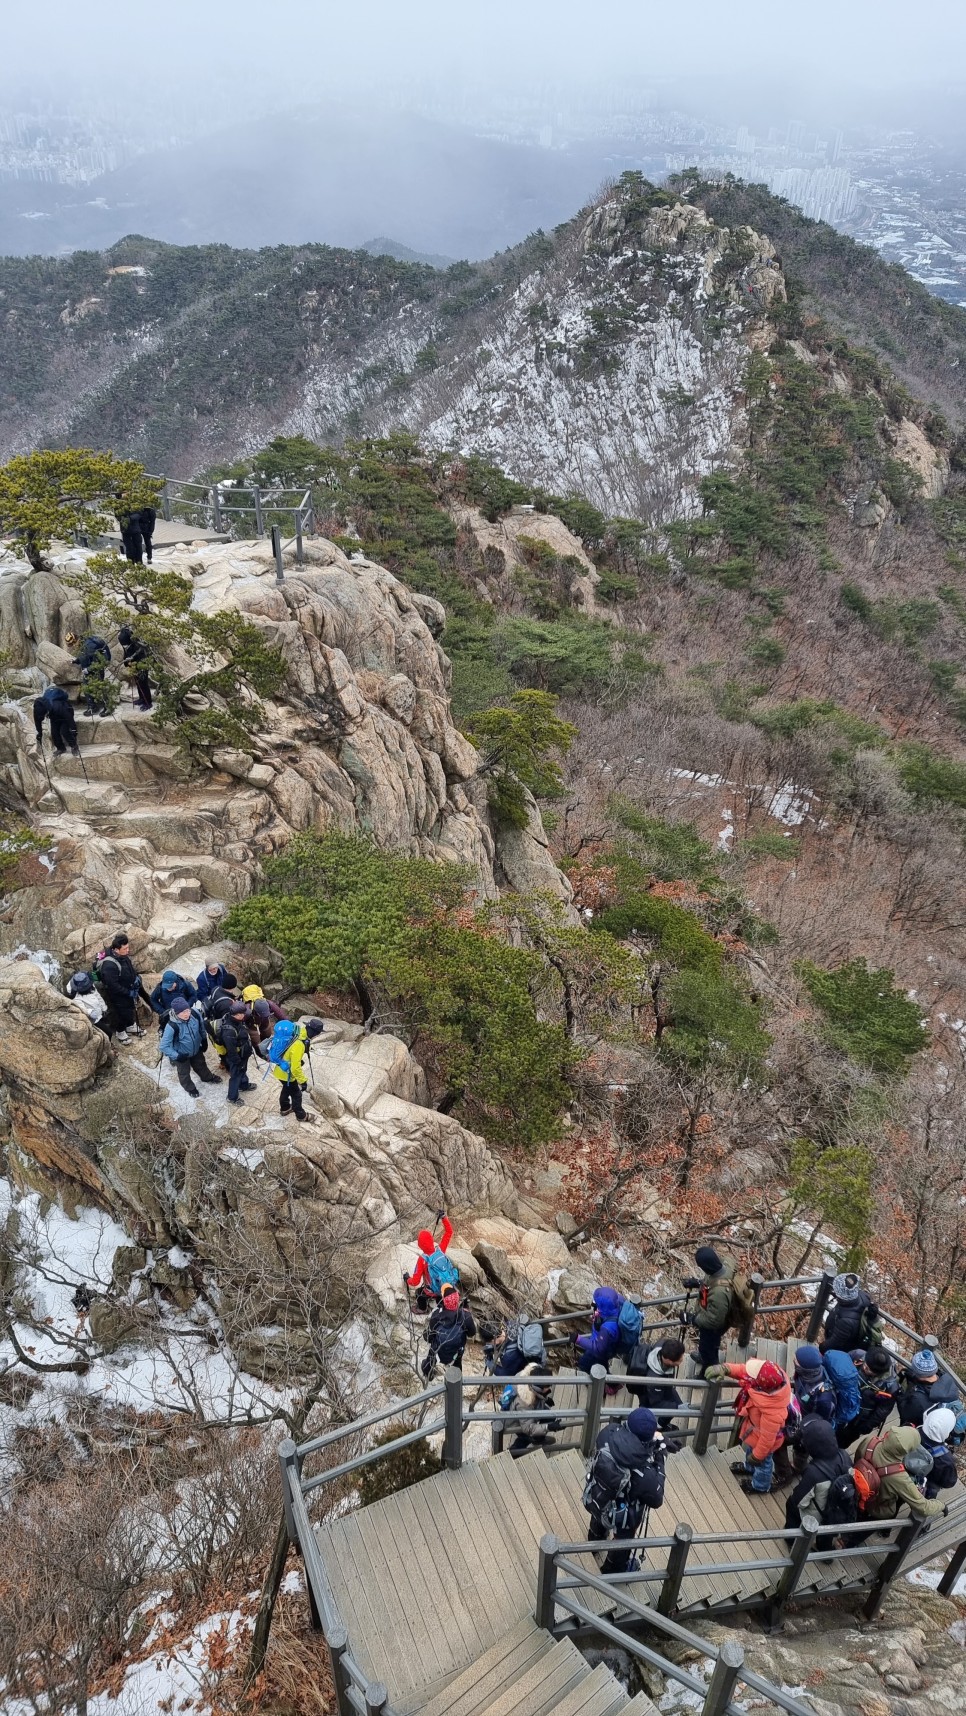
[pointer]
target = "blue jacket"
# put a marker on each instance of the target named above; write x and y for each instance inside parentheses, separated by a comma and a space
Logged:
(164, 994)
(183, 1036)
(208, 984)
(93, 649)
(602, 1342)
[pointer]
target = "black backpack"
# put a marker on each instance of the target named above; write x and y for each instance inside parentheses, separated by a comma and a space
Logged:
(448, 1346)
(842, 1502)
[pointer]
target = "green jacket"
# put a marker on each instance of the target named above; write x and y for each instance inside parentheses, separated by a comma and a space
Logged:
(898, 1487)
(715, 1313)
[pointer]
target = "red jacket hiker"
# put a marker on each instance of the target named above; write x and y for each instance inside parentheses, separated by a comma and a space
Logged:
(420, 1276)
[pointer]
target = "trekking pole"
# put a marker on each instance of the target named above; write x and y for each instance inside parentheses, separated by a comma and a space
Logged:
(43, 758)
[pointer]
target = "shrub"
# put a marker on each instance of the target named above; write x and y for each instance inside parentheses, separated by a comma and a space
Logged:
(866, 1016)
(519, 745)
(931, 777)
(678, 935)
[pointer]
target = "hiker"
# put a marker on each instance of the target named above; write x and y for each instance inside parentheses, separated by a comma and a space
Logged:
(215, 976)
(878, 1390)
(826, 1462)
(262, 1017)
(172, 987)
(937, 1426)
(530, 1391)
(889, 1468)
(80, 989)
(450, 1327)
(433, 1268)
(812, 1387)
(183, 1043)
(924, 1386)
(147, 519)
(600, 1345)
(523, 1345)
(93, 660)
(129, 524)
(715, 1298)
(136, 656)
(55, 706)
(237, 1044)
(120, 986)
(660, 1359)
(287, 1054)
(853, 1320)
(847, 1393)
(626, 1478)
(762, 1405)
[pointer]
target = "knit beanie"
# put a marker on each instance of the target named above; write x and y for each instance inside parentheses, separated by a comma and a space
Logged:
(808, 1358)
(425, 1241)
(846, 1289)
(924, 1363)
(313, 1028)
(878, 1361)
(707, 1259)
(770, 1379)
(642, 1423)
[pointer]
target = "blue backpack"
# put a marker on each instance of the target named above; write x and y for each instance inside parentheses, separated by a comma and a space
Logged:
(844, 1378)
(630, 1324)
(281, 1040)
(439, 1268)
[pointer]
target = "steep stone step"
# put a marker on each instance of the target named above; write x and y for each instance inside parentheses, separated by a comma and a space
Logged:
(117, 763)
(89, 799)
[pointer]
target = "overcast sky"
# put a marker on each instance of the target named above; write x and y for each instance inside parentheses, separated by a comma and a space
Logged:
(343, 46)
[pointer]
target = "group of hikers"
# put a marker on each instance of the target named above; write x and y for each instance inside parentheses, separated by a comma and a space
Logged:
(824, 1431)
(215, 1012)
(94, 657)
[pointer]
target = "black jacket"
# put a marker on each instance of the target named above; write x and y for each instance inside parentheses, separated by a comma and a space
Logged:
(118, 976)
(234, 1037)
(944, 1475)
(916, 1398)
(644, 1462)
(446, 1328)
(843, 1325)
(136, 651)
(56, 704)
(654, 1397)
(147, 519)
(93, 649)
(878, 1398)
(826, 1461)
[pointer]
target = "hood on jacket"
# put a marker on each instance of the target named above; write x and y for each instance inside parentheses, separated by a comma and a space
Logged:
(607, 1301)
(818, 1439)
(895, 1445)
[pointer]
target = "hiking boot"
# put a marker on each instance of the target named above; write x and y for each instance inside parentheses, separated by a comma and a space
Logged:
(191, 1090)
(121, 1037)
(247, 1085)
(750, 1490)
(738, 1469)
(210, 1078)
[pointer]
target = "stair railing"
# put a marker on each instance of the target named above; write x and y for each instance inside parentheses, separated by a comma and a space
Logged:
(216, 505)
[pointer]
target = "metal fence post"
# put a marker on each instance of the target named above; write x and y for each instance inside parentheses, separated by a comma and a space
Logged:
(338, 1643)
(595, 1406)
(215, 506)
(953, 1571)
(453, 1433)
(756, 1283)
(299, 553)
(259, 517)
(819, 1307)
(376, 1697)
(277, 551)
(676, 1562)
(731, 1660)
(543, 1612)
(802, 1547)
(288, 1460)
(709, 1406)
(166, 501)
(891, 1565)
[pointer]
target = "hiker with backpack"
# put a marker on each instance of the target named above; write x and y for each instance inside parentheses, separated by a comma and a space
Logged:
(825, 1486)
(120, 986)
(434, 1270)
(288, 1056)
(811, 1386)
(604, 1339)
(723, 1299)
(93, 661)
(878, 1391)
(939, 1424)
(183, 1042)
(853, 1320)
(889, 1471)
(55, 706)
(763, 1403)
(523, 1345)
(136, 657)
(80, 989)
(262, 1016)
(172, 987)
(450, 1327)
(924, 1386)
(237, 1045)
(847, 1394)
(661, 1360)
(530, 1391)
(215, 976)
(625, 1480)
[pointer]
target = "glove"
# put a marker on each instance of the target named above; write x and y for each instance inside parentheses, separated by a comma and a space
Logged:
(687, 1319)
(715, 1373)
(691, 1282)
(440, 1215)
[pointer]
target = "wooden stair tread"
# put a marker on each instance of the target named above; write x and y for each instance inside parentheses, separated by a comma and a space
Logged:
(471, 1691)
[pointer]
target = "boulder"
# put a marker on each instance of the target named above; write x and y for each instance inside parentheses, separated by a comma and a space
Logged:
(573, 1288)
(113, 1325)
(128, 1261)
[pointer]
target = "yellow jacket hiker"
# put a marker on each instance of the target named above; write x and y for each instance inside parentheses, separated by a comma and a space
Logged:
(290, 1066)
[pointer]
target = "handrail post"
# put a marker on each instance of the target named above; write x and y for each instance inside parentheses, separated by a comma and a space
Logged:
(676, 1562)
(801, 1549)
(166, 502)
(819, 1307)
(338, 1643)
(953, 1571)
(543, 1612)
(376, 1697)
(259, 517)
(299, 553)
(453, 1433)
(756, 1283)
(595, 1407)
(288, 1460)
(277, 551)
(709, 1406)
(730, 1662)
(215, 506)
(891, 1565)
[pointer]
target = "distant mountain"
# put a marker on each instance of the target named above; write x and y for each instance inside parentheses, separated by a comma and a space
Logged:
(336, 176)
(402, 253)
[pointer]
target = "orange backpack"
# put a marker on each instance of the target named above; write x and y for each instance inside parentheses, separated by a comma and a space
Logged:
(868, 1477)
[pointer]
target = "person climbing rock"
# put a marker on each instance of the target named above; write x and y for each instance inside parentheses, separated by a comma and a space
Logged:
(825, 1461)
(853, 1320)
(172, 987)
(93, 659)
(662, 1360)
(237, 1044)
(215, 976)
(626, 1478)
(714, 1313)
(54, 706)
(434, 1270)
(899, 1469)
(600, 1345)
(80, 989)
(183, 1042)
(450, 1327)
(924, 1386)
(136, 657)
(288, 1055)
(878, 1391)
(762, 1406)
(120, 985)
